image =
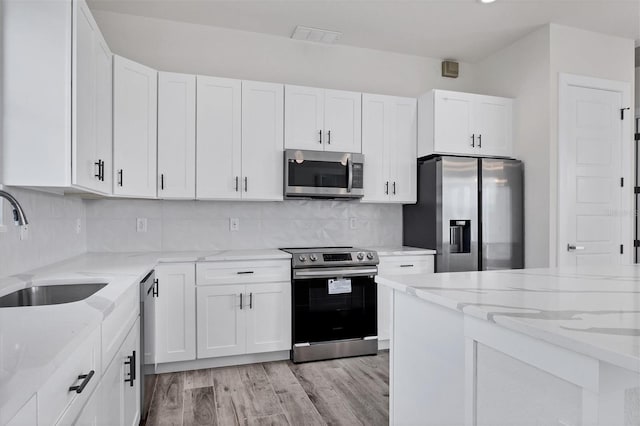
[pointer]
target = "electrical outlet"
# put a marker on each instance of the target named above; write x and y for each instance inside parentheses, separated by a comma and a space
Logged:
(141, 224)
(234, 224)
(353, 223)
(78, 226)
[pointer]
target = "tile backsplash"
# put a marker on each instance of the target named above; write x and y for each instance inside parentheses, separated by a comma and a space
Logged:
(52, 234)
(204, 225)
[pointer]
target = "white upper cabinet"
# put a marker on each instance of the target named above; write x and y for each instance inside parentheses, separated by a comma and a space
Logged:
(389, 145)
(218, 135)
(57, 114)
(262, 140)
(464, 123)
(304, 118)
(176, 136)
(135, 99)
(322, 119)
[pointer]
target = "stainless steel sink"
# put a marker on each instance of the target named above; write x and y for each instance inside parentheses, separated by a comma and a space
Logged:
(49, 295)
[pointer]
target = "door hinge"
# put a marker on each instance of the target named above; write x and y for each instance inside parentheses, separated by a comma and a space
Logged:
(622, 110)
(621, 248)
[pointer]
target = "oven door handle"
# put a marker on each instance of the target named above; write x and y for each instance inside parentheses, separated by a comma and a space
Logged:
(333, 273)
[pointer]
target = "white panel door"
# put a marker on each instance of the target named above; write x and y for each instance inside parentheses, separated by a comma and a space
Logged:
(135, 99)
(304, 118)
(175, 313)
(343, 121)
(92, 112)
(262, 140)
(176, 135)
(218, 136)
(130, 352)
(589, 190)
(402, 150)
(493, 119)
(453, 122)
(376, 133)
(110, 393)
(221, 320)
(268, 317)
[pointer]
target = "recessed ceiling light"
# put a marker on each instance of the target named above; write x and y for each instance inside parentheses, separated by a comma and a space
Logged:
(486, 1)
(315, 34)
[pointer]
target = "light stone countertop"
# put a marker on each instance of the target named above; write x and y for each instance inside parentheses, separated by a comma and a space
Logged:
(593, 310)
(402, 251)
(36, 340)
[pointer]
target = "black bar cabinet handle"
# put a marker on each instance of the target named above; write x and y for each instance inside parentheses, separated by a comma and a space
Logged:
(250, 300)
(120, 177)
(102, 170)
(131, 362)
(85, 381)
(320, 141)
(386, 187)
(162, 181)
(394, 188)
(237, 183)
(99, 175)
(245, 184)
(473, 140)
(240, 300)
(244, 272)
(156, 289)
(406, 266)
(329, 137)
(479, 141)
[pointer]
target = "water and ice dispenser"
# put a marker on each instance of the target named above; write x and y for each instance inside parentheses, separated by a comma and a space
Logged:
(460, 236)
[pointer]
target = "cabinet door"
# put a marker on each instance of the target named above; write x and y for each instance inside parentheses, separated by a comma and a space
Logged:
(130, 357)
(218, 138)
(28, 414)
(110, 393)
(376, 132)
(91, 110)
(268, 317)
(384, 312)
(134, 128)
(493, 123)
(176, 135)
(453, 122)
(221, 320)
(343, 121)
(402, 151)
(262, 140)
(304, 118)
(175, 313)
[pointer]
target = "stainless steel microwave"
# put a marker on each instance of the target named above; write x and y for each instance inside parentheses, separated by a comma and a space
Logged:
(321, 174)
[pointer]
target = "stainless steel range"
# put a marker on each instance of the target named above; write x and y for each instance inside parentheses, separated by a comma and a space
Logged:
(334, 302)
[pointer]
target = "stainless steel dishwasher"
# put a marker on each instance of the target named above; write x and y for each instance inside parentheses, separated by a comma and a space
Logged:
(148, 294)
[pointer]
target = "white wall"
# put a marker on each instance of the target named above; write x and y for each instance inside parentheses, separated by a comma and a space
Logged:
(204, 225)
(197, 49)
(521, 71)
(589, 54)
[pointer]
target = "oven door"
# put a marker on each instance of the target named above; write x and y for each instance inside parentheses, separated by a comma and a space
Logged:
(327, 310)
(321, 174)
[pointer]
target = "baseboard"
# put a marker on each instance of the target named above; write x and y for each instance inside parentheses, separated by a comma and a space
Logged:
(226, 361)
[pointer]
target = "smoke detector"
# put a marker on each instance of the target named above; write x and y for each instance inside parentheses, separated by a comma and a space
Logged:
(315, 34)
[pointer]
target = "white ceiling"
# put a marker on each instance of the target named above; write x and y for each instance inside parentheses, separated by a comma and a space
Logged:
(463, 30)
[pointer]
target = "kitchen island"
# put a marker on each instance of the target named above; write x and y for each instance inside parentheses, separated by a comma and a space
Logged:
(521, 347)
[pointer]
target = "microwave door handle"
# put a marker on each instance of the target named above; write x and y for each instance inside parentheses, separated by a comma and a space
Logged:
(349, 175)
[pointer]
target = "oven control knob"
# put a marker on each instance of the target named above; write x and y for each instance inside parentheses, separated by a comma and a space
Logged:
(370, 256)
(360, 256)
(313, 257)
(303, 258)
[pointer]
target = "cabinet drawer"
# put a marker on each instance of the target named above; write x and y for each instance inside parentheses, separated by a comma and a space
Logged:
(243, 271)
(404, 265)
(116, 326)
(55, 396)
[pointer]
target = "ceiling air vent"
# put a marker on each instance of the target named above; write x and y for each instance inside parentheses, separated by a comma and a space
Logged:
(315, 34)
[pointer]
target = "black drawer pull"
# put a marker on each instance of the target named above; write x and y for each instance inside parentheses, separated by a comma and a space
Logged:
(85, 380)
(156, 288)
(244, 272)
(131, 362)
(406, 266)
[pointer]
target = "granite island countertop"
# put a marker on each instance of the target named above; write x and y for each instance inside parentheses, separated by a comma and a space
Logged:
(36, 340)
(593, 310)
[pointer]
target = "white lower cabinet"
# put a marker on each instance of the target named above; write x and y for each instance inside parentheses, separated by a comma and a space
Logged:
(28, 414)
(396, 265)
(252, 315)
(175, 317)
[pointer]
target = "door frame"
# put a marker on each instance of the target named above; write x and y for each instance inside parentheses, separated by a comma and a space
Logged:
(627, 156)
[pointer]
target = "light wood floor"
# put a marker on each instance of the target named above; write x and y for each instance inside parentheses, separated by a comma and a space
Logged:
(349, 391)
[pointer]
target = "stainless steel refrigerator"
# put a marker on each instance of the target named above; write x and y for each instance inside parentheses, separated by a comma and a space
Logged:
(471, 211)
